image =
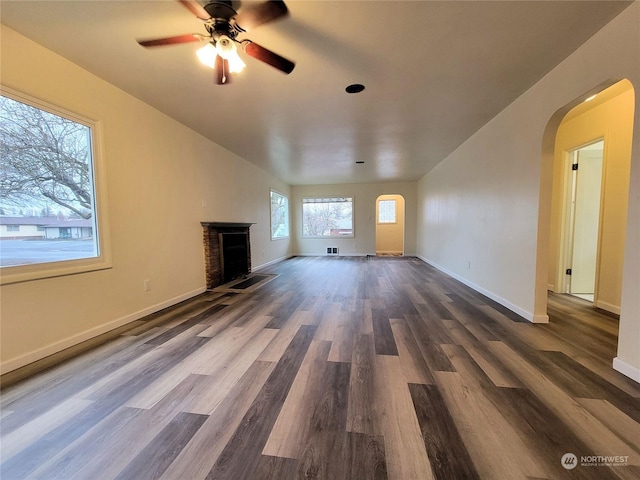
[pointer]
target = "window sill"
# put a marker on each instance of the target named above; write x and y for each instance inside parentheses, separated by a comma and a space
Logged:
(39, 271)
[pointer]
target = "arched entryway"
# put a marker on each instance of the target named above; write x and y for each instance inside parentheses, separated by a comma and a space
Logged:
(390, 225)
(606, 117)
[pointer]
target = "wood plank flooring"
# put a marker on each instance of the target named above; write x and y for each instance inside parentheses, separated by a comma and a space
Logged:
(337, 368)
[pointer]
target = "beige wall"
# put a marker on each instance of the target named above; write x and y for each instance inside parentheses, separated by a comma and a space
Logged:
(159, 174)
(612, 120)
(364, 199)
(484, 214)
(390, 236)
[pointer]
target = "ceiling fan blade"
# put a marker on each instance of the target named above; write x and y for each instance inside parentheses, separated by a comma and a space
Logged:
(195, 8)
(259, 14)
(222, 71)
(267, 56)
(157, 42)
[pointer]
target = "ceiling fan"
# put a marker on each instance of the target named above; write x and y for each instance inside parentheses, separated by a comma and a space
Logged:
(223, 25)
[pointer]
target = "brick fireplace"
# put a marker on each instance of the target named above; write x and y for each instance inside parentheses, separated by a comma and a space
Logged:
(227, 251)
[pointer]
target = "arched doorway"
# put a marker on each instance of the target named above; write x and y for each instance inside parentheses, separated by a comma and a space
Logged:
(390, 225)
(589, 198)
(592, 119)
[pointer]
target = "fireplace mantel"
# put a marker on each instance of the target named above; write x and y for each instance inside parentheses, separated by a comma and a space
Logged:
(226, 224)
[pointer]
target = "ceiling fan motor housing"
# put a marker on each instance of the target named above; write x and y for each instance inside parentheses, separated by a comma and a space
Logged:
(220, 22)
(221, 10)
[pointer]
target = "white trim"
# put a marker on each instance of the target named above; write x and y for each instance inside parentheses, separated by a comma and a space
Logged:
(39, 354)
(325, 255)
(628, 370)
(272, 262)
(540, 319)
(514, 308)
(608, 307)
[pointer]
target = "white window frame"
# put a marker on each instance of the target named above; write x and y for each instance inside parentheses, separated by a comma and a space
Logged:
(337, 198)
(287, 215)
(36, 271)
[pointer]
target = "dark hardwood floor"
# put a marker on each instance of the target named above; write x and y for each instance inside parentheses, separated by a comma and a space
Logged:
(337, 368)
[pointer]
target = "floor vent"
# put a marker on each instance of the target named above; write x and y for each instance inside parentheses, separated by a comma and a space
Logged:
(332, 250)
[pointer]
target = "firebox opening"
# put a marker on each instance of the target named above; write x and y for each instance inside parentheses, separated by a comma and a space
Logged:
(233, 255)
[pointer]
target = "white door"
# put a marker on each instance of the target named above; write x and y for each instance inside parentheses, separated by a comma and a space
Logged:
(586, 219)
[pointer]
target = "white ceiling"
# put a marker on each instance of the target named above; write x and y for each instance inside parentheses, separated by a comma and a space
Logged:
(434, 71)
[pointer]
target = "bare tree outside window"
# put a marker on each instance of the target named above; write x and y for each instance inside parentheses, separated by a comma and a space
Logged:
(45, 159)
(46, 186)
(327, 217)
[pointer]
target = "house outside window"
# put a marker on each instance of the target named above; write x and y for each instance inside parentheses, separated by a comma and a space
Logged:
(327, 217)
(47, 176)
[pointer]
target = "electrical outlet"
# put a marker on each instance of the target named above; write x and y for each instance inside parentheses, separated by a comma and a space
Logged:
(147, 285)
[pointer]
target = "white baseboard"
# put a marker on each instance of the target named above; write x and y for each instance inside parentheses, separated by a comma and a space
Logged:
(39, 354)
(505, 303)
(608, 307)
(272, 262)
(540, 319)
(325, 255)
(628, 370)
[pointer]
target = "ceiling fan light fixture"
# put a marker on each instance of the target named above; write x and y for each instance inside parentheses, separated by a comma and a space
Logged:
(226, 48)
(207, 55)
(236, 65)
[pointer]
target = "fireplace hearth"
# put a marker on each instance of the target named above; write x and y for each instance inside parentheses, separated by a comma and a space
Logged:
(227, 251)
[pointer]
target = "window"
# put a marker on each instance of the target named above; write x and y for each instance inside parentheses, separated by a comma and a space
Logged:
(47, 179)
(279, 215)
(327, 217)
(386, 211)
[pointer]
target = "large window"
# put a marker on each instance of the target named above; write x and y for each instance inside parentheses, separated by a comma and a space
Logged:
(48, 208)
(279, 215)
(327, 217)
